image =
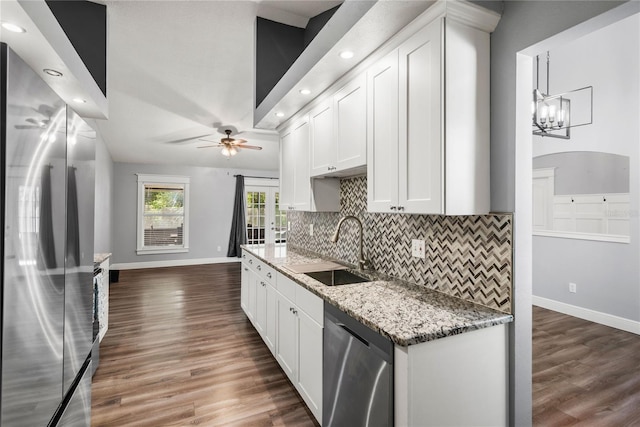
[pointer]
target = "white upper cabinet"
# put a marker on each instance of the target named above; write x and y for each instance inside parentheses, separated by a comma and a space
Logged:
(323, 142)
(434, 115)
(382, 153)
(297, 190)
(350, 123)
(339, 132)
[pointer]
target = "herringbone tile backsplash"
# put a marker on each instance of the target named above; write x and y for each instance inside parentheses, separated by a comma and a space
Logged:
(469, 257)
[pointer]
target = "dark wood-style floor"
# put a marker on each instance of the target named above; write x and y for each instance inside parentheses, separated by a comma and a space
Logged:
(584, 374)
(180, 351)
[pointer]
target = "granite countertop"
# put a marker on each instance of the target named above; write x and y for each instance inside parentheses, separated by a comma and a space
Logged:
(406, 313)
(100, 258)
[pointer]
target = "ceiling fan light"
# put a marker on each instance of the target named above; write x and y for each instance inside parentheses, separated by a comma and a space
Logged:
(226, 152)
(233, 151)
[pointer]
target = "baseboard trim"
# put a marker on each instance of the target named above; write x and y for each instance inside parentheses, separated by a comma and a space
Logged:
(587, 314)
(170, 263)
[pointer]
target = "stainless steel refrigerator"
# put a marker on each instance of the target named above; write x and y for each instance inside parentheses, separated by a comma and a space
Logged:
(47, 161)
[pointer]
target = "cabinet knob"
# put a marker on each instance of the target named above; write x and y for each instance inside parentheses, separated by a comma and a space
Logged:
(246, 269)
(259, 267)
(244, 255)
(290, 308)
(400, 208)
(295, 311)
(269, 275)
(250, 261)
(263, 284)
(393, 208)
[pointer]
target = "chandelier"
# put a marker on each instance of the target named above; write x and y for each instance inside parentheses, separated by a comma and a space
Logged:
(552, 114)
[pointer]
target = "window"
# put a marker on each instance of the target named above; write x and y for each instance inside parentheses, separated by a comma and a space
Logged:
(163, 214)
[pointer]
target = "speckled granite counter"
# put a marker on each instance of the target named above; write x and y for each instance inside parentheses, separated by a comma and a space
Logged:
(99, 258)
(406, 313)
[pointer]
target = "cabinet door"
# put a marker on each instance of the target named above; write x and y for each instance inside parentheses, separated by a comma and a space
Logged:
(301, 178)
(261, 306)
(350, 105)
(270, 332)
(252, 297)
(287, 338)
(310, 363)
(322, 140)
(420, 141)
(244, 288)
(382, 136)
(287, 170)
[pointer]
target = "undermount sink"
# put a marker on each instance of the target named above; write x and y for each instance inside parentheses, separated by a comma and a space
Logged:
(336, 277)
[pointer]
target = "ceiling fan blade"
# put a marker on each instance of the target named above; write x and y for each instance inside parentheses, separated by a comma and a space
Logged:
(238, 141)
(208, 140)
(250, 147)
(211, 146)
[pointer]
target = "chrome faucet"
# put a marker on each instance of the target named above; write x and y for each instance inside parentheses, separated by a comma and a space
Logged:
(363, 263)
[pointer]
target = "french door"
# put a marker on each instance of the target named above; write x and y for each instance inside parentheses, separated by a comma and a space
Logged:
(266, 223)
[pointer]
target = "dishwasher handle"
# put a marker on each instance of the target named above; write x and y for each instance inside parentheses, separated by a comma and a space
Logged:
(353, 334)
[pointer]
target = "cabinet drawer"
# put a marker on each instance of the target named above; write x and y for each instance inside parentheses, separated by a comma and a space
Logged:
(286, 287)
(310, 304)
(265, 271)
(249, 259)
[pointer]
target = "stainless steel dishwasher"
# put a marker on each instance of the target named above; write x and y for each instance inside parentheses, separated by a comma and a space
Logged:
(357, 373)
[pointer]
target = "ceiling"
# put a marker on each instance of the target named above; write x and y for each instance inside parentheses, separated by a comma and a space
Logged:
(180, 70)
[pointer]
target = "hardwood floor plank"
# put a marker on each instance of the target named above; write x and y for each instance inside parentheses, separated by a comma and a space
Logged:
(584, 374)
(180, 351)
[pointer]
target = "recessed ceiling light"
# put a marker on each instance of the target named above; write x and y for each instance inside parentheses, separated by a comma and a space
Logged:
(346, 54)
(305, 91)
(13, 27)
(279, 114)
(79, 100)
(53, 73)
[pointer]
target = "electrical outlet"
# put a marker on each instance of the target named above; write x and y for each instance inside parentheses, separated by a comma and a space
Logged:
(310, 229)
(417, 248)
(572, 288)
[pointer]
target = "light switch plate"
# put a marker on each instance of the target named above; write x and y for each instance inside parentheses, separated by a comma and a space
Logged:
(417, 248)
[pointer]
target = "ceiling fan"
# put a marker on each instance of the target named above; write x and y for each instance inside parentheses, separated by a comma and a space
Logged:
(230, 145)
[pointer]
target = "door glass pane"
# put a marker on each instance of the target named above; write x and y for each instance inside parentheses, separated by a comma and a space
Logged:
(255, 217)
(280, 222)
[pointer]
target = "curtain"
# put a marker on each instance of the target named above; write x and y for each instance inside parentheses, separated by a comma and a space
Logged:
(238, 224)
(47, 258)
(73, 228)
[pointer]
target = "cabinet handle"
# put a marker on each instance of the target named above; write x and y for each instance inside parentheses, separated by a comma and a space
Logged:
(290, 308)
(250, 261)
(400, 208)
(263, 284)
(244, 255)
(393, 208)
(295, 311)
(328, 168)
(246, 269)
(269, 275)
(259, 267)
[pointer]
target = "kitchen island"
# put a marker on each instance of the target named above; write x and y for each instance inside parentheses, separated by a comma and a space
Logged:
(450, 357)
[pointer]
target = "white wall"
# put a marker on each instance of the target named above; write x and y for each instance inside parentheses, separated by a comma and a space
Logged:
(103, 225)
(210, 206)
(607, 274)
(522, 25)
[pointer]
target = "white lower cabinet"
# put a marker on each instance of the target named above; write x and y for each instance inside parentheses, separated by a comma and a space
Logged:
(461, 380)
(287, 338)
(310, 362)
(290, 320)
